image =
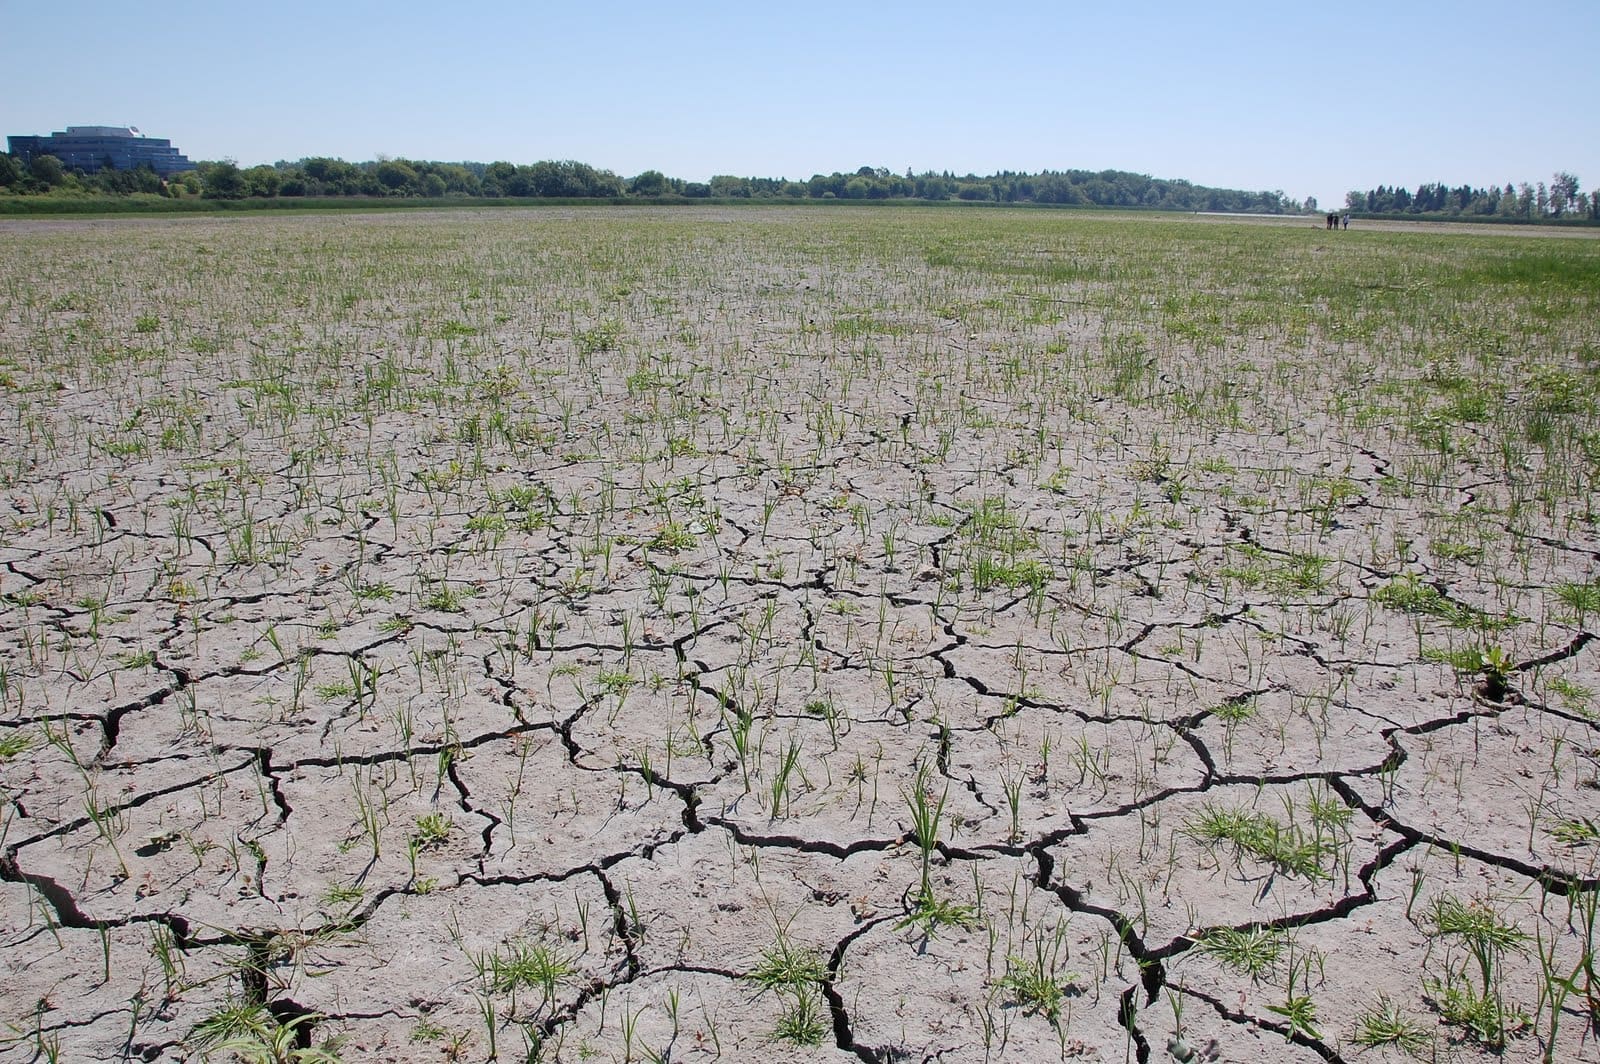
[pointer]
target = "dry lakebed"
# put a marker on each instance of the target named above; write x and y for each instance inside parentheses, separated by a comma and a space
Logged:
(797, 633)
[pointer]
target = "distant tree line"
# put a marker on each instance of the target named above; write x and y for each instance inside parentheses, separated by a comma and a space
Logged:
(574, 180)
(1099, 188)
(1561, 198)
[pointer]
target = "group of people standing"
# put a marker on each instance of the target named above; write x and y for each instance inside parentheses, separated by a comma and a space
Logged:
(1334, 219)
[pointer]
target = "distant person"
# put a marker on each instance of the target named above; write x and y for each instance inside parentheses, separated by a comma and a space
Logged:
(1347, 219)
(1333, 220)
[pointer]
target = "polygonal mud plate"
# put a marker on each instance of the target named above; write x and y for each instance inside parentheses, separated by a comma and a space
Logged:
(554, 817)
(1153, 866)
(1518, 784)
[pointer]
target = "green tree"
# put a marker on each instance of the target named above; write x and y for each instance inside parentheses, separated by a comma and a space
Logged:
(729, 187)
(520, 182)
(496, 176)
(47, 170)
(1563, 192)
(649, 183)
(396, 175)
(222, 180)
(263, 182)
(330, 177)
(458, 180)
(553, 179)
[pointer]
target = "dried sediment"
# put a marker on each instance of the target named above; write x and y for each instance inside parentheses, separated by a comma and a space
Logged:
(527, 626)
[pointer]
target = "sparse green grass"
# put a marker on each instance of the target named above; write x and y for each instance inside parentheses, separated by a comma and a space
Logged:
(795, 973)
(1574, 696)
(1253, 951)
(785, 964)
(1385, 1024)
(529, 965)
(1235, 712)
(1581, 600)
(1288, 846)
(249, 1032)
(1486, 1018)
(803, 1019)
(16, 743)
(1578, 831)
(1037, 984)
(1482, 931)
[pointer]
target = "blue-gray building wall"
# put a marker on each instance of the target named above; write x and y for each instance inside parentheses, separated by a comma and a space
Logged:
(93, 152)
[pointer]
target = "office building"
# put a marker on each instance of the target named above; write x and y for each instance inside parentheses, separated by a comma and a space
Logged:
(92, 148)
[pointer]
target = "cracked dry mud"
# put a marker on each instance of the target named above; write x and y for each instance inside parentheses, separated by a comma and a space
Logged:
(796, 634)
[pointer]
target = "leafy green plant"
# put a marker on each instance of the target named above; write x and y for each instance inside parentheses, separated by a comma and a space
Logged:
(250, 1033)
(1487, 938)
(343, 894)
(1410, 594)
(1298, 1010)
(802, 1019)
(1485, 933)
(334, 691)
(15, 743)
(795, 973)
(601, 337)
(1574, 696)
(671, 538)
(1385, 1024)
(1036, 983)
(1286, 846)
(232, 1018)
(1578, 831)
(782, 778)
(929, 913)
(783, 964)
(1485, 1017)
(1252, 951)
(1496, 665)
(432, 830)
(926, 814)
(524, 965)
(445, 599)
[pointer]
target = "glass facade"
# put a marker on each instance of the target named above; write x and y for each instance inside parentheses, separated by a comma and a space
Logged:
(92, 148)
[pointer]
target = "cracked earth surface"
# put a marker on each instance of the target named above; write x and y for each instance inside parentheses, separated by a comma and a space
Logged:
(515, 633)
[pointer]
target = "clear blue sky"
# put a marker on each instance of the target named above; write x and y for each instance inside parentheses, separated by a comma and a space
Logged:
(1310, 99)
